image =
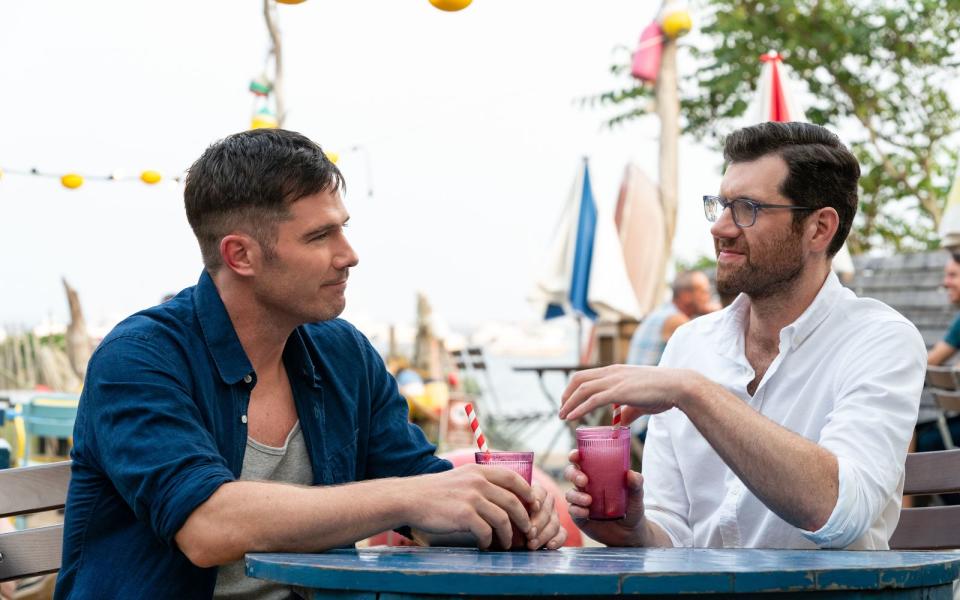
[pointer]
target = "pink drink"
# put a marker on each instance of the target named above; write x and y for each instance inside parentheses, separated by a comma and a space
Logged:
(605, 460)
(518, 462)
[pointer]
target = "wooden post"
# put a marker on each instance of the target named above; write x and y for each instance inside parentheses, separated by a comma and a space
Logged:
(79, 347)
(270, 15)
(668, 110)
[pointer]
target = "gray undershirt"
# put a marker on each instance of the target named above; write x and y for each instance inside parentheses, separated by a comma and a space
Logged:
(289, 464)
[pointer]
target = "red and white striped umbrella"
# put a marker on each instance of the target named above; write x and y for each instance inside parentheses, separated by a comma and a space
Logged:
(777, 101)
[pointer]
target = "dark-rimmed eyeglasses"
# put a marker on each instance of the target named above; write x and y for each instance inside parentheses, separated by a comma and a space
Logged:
(744, 210)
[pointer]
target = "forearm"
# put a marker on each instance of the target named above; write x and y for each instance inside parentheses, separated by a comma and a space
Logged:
(793, 476)
(651, 535)
(254, 516)
(939, 354)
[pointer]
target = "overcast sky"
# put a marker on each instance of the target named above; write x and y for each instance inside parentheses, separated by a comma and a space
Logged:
(469, 123)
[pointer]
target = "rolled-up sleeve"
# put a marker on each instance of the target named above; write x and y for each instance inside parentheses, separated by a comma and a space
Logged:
(870, 427)
(147, 435)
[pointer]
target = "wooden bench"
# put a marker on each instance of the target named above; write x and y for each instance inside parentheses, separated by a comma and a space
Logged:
(931, 527)
(24, 491)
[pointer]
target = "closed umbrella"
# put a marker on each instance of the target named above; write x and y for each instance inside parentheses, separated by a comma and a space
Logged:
(950, 223)
(642, 231)
(776, 101)
(583, 274)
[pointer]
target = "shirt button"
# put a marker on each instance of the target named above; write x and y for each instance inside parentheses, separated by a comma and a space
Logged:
(247, 378)
(243, 418)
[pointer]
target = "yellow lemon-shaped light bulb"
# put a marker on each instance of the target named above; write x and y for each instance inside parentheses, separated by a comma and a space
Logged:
(263, 120)
(150, 177)
(677, 23)
(451, 5)
(332, 156)
(71, 181)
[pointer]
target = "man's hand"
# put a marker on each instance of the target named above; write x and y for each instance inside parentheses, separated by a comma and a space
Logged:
(641, 390)
(622, 532)
(480, 501)
(546, 531)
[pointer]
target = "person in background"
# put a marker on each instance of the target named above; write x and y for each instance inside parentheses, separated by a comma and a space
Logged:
(928, 436)
(691, 298)
(945, 349)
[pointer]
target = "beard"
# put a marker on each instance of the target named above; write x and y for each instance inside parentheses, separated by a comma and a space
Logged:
(770, 267)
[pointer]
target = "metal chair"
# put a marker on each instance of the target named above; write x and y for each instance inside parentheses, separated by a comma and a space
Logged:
(943, 383)
(947, 402)
(48, 415)
(29, 490)
(504, 426)
(932, 527)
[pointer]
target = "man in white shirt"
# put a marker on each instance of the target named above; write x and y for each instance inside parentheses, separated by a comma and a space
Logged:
(783, 420)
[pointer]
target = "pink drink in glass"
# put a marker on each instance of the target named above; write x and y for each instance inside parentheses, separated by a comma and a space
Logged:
(605, 460)
(518, 462)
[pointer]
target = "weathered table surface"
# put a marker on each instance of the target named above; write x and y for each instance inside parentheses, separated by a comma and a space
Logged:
(413, 572)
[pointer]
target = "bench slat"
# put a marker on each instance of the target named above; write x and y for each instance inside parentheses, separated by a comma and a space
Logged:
(928, 528)
(33, 489)
(30, 552)
(932, 472)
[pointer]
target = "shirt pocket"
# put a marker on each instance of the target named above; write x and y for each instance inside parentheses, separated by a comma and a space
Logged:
(341, 465)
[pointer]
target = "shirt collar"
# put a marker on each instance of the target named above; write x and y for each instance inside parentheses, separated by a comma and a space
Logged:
(798, 331)
(301, 351)
(733, 323)
(224, 345)
(218, 332)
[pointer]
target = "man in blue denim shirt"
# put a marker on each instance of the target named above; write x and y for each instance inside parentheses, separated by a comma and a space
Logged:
(241, 415)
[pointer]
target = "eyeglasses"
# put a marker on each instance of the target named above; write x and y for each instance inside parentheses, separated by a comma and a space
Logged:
(744, 210)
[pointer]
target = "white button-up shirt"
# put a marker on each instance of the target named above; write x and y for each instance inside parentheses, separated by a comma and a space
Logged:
(848, 377)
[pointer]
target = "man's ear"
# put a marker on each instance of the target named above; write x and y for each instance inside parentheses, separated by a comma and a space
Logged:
(822, 227)
(240, 253)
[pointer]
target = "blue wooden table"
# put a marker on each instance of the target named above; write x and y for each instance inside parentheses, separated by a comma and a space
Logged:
(413, 572)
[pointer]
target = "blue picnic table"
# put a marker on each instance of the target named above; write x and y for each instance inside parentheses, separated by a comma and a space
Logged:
(430, 573)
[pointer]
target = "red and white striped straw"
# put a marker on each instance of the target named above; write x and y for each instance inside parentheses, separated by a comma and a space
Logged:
(475, 426)
(616, 415)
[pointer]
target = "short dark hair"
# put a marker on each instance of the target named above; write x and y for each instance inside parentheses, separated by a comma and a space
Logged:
(246, 182)
(821, 170)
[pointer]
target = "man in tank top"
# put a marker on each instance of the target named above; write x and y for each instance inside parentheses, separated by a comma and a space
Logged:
(242, 415)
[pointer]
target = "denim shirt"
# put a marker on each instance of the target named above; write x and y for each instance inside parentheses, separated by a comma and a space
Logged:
(162, 424)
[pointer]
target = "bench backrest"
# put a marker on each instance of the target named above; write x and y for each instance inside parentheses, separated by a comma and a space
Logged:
(933, 527)
(24, 491)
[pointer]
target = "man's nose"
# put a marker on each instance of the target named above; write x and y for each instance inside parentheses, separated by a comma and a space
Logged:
(724, 226)
(346, 257)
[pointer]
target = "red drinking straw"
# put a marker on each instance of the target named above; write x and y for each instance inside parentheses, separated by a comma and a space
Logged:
(475, 426)
(616, 415)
